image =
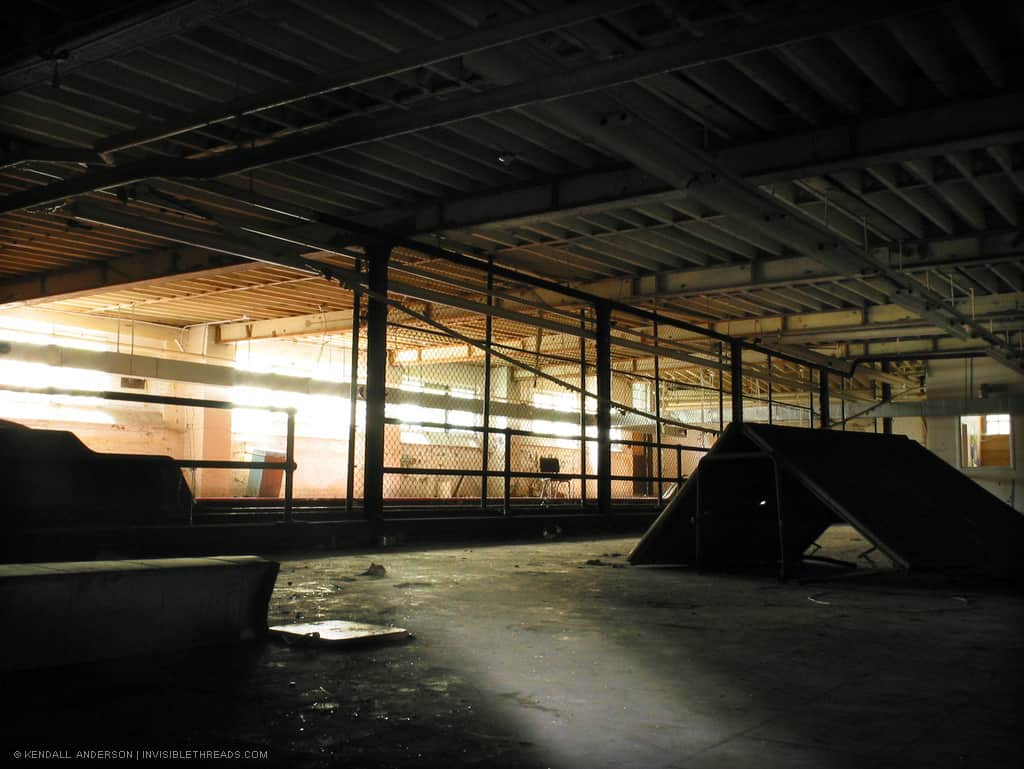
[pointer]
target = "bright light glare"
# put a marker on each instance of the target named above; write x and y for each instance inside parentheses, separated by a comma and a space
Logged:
(318, 416)
(34, 332)
(18, 406)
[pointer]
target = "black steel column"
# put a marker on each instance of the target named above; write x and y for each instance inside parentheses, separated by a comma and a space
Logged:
(376, 379)
(506, 505)
(826, 417)
(289, 472)
(604, 401)
(657, 410)
(886, 397)
(353, 399)
(810, 397)
(698, 540)
(783, 553)
(721, 391)
(488, 329)
(874, 397)
(842, 400)
(583, 407)
(771, 388)
(736, 371)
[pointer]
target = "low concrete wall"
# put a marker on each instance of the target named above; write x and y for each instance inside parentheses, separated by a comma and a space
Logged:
(63, 613)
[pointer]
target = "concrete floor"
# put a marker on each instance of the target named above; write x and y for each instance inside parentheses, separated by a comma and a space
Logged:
(527, 656)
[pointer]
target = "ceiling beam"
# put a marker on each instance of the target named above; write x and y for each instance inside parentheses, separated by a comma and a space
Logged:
(62, 324)
(801, 235)
(957, 198)
(15, 150)
(320, 237)
(139, 31)
(121, 272)
(817, 65)
(994, 403)
(997, 190)
(1002, 155)
(831, 326)
(326, 232)
(703, 281)
(353, 74)
(771, 75)
(904, 136)
(905, 349)
(877, 60)
(362, 130)
(327, 237)
(279, 328)
(576, 194)
(875, 317)
(922, 45)
(920, 200)
(977, 42)
(237, 244)
(706, 181)
(953, 127)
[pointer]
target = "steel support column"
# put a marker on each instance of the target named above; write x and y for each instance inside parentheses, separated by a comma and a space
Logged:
(353, 401)
(488, 333)
(783, 555)
(657, 411)
(886, 397)
(810, 397)
(842, 402)
(289, 470)
(874, 397)
(583, 407)
(736, 373)
(604, 400)
(721, 390)
(376, 380)
(826, 420)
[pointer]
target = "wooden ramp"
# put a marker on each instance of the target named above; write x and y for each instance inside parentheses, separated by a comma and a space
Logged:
(764, 493)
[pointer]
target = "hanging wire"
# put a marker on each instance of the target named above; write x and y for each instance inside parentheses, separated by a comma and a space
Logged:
(323, 336)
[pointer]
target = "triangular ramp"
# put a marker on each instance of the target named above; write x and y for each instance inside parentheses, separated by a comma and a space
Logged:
(922, 512)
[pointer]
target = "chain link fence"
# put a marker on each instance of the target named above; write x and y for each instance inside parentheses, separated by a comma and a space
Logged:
(492, 400)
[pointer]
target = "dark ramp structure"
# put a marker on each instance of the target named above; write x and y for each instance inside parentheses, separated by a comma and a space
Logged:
(763, 494)
(55, 480)
(71, 612)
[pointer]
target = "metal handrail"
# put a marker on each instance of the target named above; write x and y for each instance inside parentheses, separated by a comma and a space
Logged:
(288, 465)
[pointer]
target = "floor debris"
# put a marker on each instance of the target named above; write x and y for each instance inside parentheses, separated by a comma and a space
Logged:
(337, 632)
(644, 668)
(376, 571)
(553, 532)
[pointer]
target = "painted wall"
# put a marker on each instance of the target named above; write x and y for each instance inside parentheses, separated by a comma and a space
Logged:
(105, 426)
(961, 379)
(118, 438)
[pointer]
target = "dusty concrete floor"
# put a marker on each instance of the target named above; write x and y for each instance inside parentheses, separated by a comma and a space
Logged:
(527, 656)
